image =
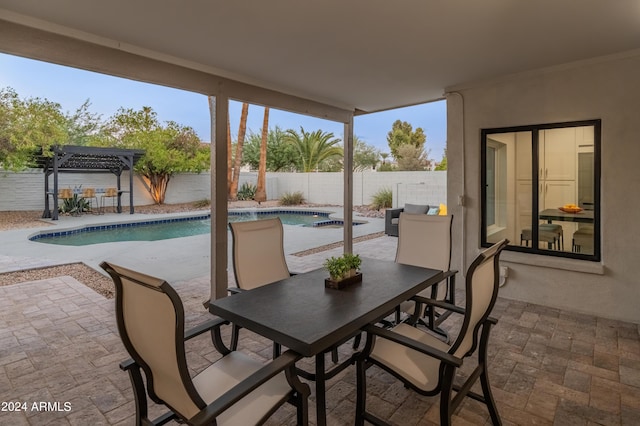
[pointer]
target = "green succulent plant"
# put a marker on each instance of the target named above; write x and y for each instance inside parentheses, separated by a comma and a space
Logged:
(339, 267)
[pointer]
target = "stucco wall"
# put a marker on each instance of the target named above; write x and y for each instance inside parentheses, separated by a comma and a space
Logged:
(604, 88)
(24, 190)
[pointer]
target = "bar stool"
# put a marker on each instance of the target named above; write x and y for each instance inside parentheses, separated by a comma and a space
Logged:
(65, 194)
(547, 232)
(90, 194)
(109, 193)
(582, 241)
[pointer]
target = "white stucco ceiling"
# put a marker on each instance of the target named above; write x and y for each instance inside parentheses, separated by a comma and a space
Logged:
(359, 54)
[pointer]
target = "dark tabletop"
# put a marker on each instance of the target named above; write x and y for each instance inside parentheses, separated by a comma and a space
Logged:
(585, 216)
(301, 314)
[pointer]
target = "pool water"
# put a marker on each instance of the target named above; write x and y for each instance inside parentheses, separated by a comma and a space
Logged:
(173, 228)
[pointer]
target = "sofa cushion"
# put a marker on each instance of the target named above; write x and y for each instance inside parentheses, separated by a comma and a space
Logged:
(416, 208)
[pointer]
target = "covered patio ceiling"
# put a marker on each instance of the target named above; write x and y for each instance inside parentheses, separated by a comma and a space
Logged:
(359, 55)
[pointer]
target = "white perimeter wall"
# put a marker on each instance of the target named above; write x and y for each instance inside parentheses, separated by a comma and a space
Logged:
(24, 190)
(606, 88)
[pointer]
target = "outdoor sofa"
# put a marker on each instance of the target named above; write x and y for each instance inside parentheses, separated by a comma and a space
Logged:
(392, 216)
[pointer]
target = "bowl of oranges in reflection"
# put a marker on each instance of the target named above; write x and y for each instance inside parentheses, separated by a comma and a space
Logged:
(570, 208)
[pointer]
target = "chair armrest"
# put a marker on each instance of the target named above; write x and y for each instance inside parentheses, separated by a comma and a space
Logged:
(204, 327)
(413, 344)
(235, 290)
(447, 306)
(393, 213)
(390, 214)
(208, 414)
(128, 364)
(439, 304)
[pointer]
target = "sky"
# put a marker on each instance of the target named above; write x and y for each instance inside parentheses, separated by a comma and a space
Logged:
(71, 87)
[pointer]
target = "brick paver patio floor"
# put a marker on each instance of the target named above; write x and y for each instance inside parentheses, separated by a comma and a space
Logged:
(59, 344)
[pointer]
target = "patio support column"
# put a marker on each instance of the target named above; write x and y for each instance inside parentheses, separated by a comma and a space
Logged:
(348, 186)
(219, 108)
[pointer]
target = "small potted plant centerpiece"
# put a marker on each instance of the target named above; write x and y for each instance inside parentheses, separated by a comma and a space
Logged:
(343, 270)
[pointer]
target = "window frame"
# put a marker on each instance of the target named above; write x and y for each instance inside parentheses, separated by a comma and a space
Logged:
(535, 139)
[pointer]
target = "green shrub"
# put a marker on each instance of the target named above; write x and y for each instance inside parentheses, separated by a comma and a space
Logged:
(337, 267)
(201, 204)
(74, 205)
(340, 267)
(385, 168)
(246, 192)
(292, 198)
(383, 199)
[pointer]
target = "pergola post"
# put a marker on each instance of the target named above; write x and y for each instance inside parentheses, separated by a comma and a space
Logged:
(54, 213)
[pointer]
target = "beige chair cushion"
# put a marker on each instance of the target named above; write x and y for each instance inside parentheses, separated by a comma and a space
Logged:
(228, 372)
(419, 369)
(258, 253)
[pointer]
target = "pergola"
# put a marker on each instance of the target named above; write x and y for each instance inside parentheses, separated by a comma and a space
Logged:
(84, 159)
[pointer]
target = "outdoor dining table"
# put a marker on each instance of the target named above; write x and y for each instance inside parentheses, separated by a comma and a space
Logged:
(584, 216)
(302, 314)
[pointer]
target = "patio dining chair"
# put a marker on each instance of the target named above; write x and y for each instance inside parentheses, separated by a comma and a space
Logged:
(428, 365)
(425, 241)
(234, 390)
(258, 259)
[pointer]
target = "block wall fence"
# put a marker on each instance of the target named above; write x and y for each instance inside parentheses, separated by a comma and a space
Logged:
(25, 190)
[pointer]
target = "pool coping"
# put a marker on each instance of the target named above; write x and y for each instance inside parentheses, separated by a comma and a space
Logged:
(180, 217)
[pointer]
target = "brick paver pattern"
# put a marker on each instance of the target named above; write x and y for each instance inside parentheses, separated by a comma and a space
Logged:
(59, 344)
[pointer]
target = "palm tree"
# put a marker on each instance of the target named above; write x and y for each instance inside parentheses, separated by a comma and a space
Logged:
(233, 190)
(261, 191)
(313, 147)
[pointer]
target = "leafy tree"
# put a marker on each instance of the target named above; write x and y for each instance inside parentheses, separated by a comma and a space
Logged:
(412, 158)
(364, 156)
(402, 133)
(27, 125)
(442, 165)
(332, 164)
(313, 148)
(169, 149)
(282, 156)
(385, 167)
(84, 126)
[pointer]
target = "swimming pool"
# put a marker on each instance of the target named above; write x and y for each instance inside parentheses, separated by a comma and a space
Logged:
(177, 227)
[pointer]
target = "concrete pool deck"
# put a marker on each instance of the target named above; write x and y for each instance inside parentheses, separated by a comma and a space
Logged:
(174, 259)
